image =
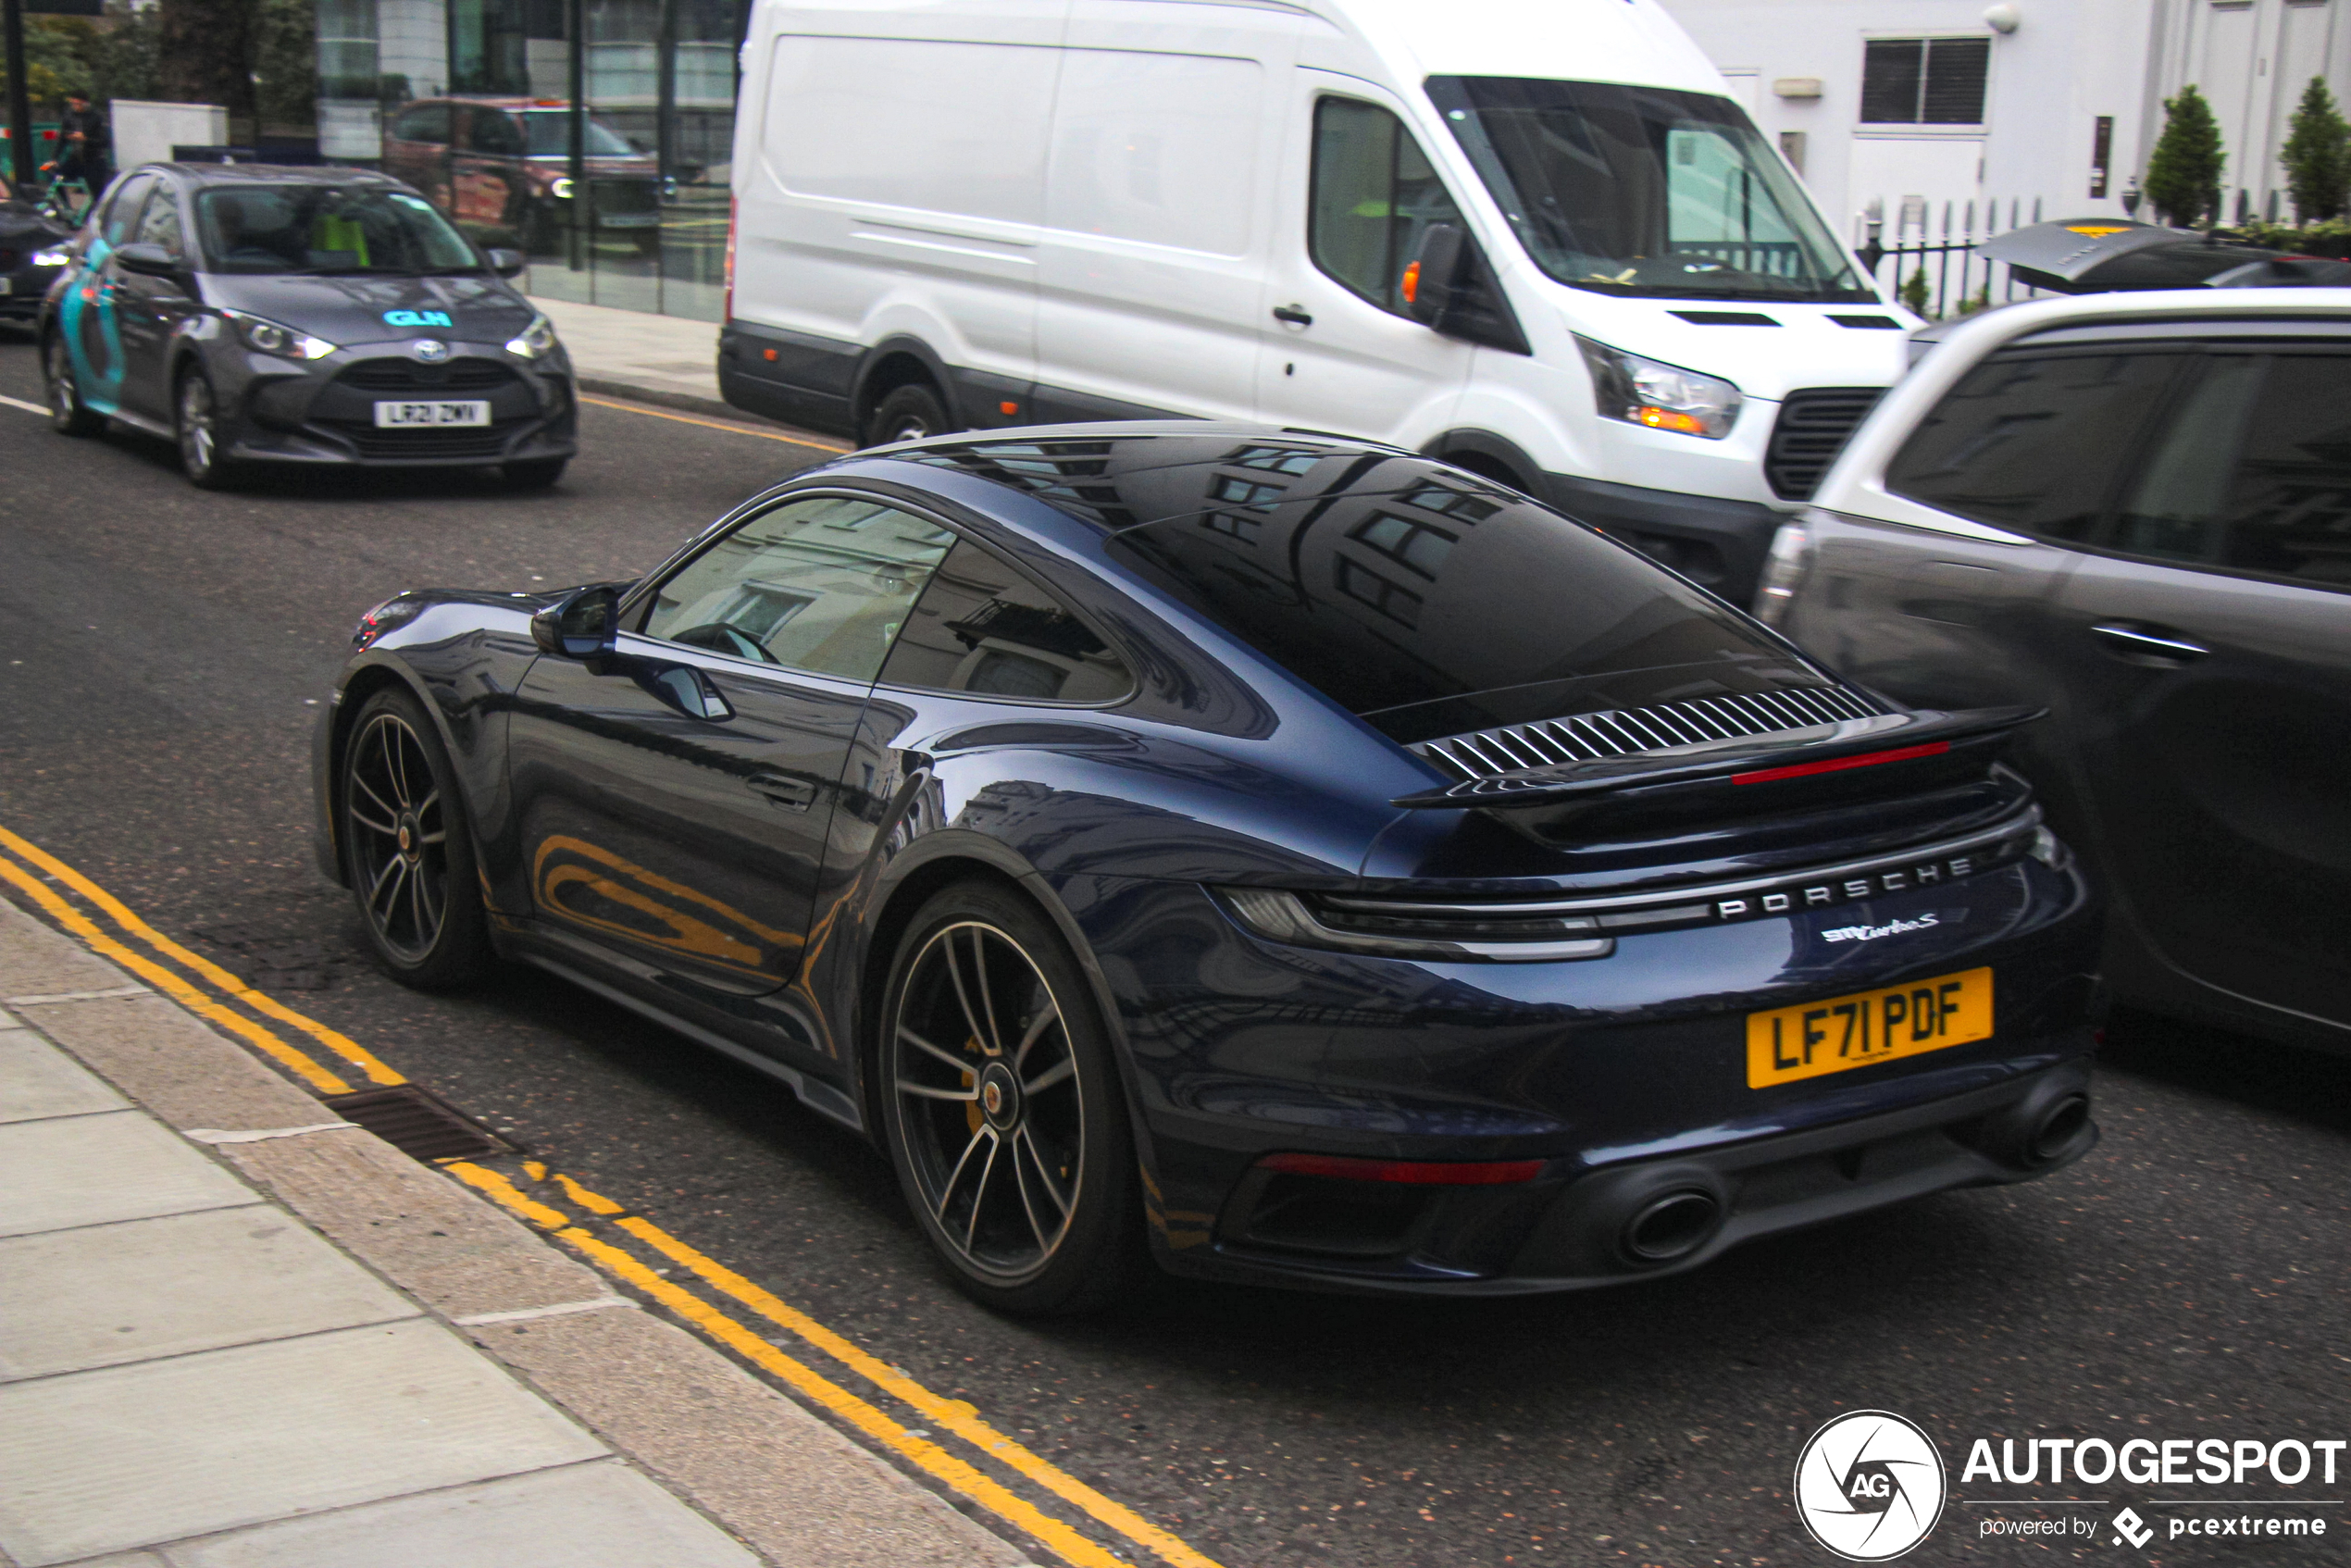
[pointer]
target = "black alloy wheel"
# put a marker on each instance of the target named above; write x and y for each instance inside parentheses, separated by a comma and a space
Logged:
(407, 849)
(67, 415)
(1002, 1112)
(198, 427)
(909, 413)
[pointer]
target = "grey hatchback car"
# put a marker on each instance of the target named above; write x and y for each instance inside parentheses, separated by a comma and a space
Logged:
(2134, 510)
(313, 315)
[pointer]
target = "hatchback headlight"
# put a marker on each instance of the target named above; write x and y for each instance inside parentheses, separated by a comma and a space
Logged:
(55, 256)
(533, 342)
(1659, 396)
(269, 337)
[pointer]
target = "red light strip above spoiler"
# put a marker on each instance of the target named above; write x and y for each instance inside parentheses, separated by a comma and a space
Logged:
(1838, 765)
(1763, 759)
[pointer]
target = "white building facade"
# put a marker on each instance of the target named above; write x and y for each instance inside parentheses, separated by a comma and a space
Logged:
(1927, 105)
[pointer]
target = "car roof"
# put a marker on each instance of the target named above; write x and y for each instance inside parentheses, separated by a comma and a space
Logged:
(203, 174)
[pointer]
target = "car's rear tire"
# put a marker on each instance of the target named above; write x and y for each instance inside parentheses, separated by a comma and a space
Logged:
(66, 414)
(407, 848)
(1001, 1108)
(907, 413)
(534, 473)
(196, 421)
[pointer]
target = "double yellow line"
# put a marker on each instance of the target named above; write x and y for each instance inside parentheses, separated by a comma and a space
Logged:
(210, 992)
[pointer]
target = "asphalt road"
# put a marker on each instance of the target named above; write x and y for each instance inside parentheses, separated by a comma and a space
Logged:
(161, 653)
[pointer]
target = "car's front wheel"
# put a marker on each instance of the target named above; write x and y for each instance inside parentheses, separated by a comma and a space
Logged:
(67, 415)
(407, 849)
(198, 428)
(1001, 1107)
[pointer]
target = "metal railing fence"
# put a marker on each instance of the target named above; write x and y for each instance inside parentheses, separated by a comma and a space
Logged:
(1927, 259)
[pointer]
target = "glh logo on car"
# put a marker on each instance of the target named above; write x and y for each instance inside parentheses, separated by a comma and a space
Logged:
(1869, 1486)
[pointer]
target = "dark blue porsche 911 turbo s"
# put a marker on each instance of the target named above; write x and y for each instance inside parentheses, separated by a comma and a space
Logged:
(1291, 859)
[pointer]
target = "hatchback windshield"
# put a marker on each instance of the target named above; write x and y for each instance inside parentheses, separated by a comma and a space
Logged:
(1643, 191)
(549, 132)
(261, 229)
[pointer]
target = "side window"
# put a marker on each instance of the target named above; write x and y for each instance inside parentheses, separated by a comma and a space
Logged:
(2035, 441)
(820, 583)
(1374, 193)
(2253, 472)
(496, 133)
(160, 223)
(426, 122)
(982, 626)
(122, 213)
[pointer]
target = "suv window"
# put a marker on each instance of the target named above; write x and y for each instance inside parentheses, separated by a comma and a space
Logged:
(1374, 194)
(983, 627)
(2252, 473)
(426, 122)
(2035, 441)
(820, 583)
(495, 133)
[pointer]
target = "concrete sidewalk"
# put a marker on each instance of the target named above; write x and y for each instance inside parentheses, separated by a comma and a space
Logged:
(663, 359)
(236, 1332)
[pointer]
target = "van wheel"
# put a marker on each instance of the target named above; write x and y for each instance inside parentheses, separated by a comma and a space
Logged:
(909, 413)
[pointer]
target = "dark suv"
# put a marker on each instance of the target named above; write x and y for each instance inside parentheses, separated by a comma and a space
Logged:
(501, 167)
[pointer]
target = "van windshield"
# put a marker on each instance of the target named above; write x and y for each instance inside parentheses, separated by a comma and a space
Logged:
(1643, 191)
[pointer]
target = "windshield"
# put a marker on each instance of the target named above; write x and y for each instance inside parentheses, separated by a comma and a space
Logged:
(1643, 191)
(548, 133)
(263, 229)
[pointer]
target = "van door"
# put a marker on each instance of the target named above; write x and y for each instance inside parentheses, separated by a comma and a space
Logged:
(1357, 193)
(1159, 209)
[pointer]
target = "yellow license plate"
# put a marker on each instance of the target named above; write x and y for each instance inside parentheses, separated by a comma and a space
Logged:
(1843, 1032)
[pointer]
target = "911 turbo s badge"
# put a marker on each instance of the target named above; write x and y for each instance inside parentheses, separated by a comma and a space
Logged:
(419, 319)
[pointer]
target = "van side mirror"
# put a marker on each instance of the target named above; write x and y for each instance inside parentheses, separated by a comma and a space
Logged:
(505, 263)
(584, 624)
(1448, 288)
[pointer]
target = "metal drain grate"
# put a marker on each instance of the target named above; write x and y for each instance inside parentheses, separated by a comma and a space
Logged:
(421, 1124)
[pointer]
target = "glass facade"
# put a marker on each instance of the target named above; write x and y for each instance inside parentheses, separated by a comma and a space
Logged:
(607, 163)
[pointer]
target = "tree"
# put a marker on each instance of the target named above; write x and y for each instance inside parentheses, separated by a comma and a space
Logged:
(285, 58)
(55, 60)
(207, 53)
(2318, 155)
(2184, 176)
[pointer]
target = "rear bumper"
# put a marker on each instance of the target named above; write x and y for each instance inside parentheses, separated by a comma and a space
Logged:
(1718, 544)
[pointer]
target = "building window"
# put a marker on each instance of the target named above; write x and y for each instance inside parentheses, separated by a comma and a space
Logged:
(1395, 601)
(1415, 546)
(1276, 459)
(1243, 492)
(1924, 80)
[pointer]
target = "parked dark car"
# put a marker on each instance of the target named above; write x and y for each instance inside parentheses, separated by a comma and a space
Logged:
(255, 314)
(2134, 510)
(1299, 857)
(500, 169)
(32, 255)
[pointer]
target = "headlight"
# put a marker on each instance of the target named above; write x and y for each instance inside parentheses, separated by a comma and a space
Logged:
(1663, 398)
(385, 619)
(270, 337)
(560, 187)
(1783, 572)
(55, 256)
(534, 341)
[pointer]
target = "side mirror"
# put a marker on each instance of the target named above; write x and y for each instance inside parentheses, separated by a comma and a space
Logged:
(506, 263)
(584, 624)
(147, 261)
(1434, 273)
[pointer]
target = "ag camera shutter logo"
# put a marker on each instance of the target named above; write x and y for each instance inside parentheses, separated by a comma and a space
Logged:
(1869, 1486)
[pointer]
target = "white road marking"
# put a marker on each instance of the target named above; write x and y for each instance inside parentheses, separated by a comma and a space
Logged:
(20, 402)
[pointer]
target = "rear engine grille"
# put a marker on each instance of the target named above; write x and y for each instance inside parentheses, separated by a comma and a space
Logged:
(1490, 753)
(408, 376)
(1814, 426)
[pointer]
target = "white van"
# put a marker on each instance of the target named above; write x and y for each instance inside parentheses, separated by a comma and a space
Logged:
(1536, 239)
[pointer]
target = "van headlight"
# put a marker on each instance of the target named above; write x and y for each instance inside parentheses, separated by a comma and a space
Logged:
(1784, 571)
(269, 337)
(1658, 396)
(533, 342)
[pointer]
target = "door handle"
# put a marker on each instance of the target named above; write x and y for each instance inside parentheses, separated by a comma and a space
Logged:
(1292, 314)
(792, 794)
(2126, 638)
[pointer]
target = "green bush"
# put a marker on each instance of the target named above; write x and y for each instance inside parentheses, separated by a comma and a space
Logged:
(2184, 175)
(2318, 157)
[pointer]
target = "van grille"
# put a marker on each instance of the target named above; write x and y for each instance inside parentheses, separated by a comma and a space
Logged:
(1617, 732)
(1813, 427)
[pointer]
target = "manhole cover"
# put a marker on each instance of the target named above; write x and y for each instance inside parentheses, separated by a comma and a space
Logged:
(421, 1124)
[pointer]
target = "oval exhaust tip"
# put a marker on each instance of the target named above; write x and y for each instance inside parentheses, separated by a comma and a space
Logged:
(2060, 1128)
(1671, 1226)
